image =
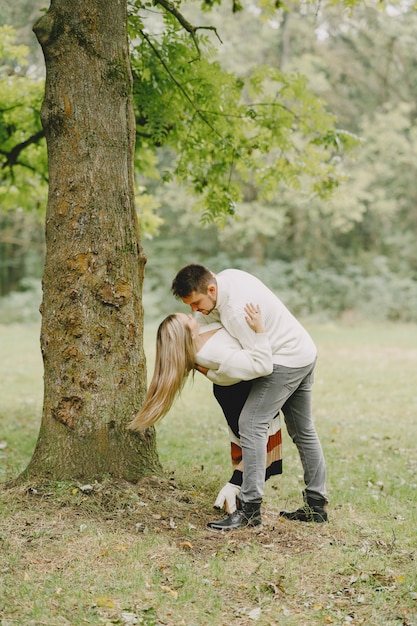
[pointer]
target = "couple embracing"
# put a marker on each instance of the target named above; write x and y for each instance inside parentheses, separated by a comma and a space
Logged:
(261, 361)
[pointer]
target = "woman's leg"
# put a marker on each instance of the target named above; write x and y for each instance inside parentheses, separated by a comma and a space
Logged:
(232, 399)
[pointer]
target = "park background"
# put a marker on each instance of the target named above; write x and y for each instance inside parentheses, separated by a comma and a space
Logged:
(346, 265)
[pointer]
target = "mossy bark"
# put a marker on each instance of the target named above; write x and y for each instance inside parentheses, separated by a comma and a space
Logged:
(92, 317)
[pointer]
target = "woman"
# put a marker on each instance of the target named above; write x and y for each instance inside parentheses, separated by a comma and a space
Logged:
(182, 347)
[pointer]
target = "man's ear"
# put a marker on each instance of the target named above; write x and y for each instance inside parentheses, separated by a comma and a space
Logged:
(212, 290)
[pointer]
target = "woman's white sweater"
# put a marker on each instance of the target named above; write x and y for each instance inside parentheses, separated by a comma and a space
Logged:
(229, 363)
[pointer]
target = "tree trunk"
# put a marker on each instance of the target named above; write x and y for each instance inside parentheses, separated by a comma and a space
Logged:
(92, 317)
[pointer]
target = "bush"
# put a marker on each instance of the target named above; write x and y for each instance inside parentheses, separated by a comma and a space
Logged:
(375, 293)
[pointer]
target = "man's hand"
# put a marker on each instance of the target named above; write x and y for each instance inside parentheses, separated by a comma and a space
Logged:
(254, 318)
(227, 498)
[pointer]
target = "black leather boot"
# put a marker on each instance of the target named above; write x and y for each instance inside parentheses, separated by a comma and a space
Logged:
(248, 515)
(314, 510)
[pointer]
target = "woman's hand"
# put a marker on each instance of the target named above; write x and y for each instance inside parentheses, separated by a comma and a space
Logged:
(201, 369)
(254, 317)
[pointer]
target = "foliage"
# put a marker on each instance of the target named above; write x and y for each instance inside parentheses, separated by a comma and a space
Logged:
(149, 220)
(363, 64)
(21, 249)
(372, 292)
(266, 128)
(21, 14)
(373, 94)
(360, 61)
(23, 173)
(9, 50)
(323, 294)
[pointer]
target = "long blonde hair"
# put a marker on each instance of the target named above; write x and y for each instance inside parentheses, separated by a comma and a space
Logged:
(174, 360)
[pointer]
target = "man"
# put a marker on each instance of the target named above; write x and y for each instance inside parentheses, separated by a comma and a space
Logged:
(222, 297)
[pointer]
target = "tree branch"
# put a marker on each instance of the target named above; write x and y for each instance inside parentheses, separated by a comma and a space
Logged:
(168, 6)
(13, 155)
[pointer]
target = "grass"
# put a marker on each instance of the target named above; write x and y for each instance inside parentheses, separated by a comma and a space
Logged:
(115, 553)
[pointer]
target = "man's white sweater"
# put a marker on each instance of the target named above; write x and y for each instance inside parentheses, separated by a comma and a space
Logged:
(291, 344)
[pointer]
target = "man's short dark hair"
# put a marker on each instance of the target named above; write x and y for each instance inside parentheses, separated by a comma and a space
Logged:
(191, 278)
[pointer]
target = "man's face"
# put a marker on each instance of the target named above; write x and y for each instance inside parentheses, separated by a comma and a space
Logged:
(202, 302)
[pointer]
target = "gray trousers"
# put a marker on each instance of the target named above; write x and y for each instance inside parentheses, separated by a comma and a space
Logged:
(288, 390)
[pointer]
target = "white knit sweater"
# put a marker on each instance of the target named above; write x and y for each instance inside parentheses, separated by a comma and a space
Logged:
(291, 344)
(228, 363)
